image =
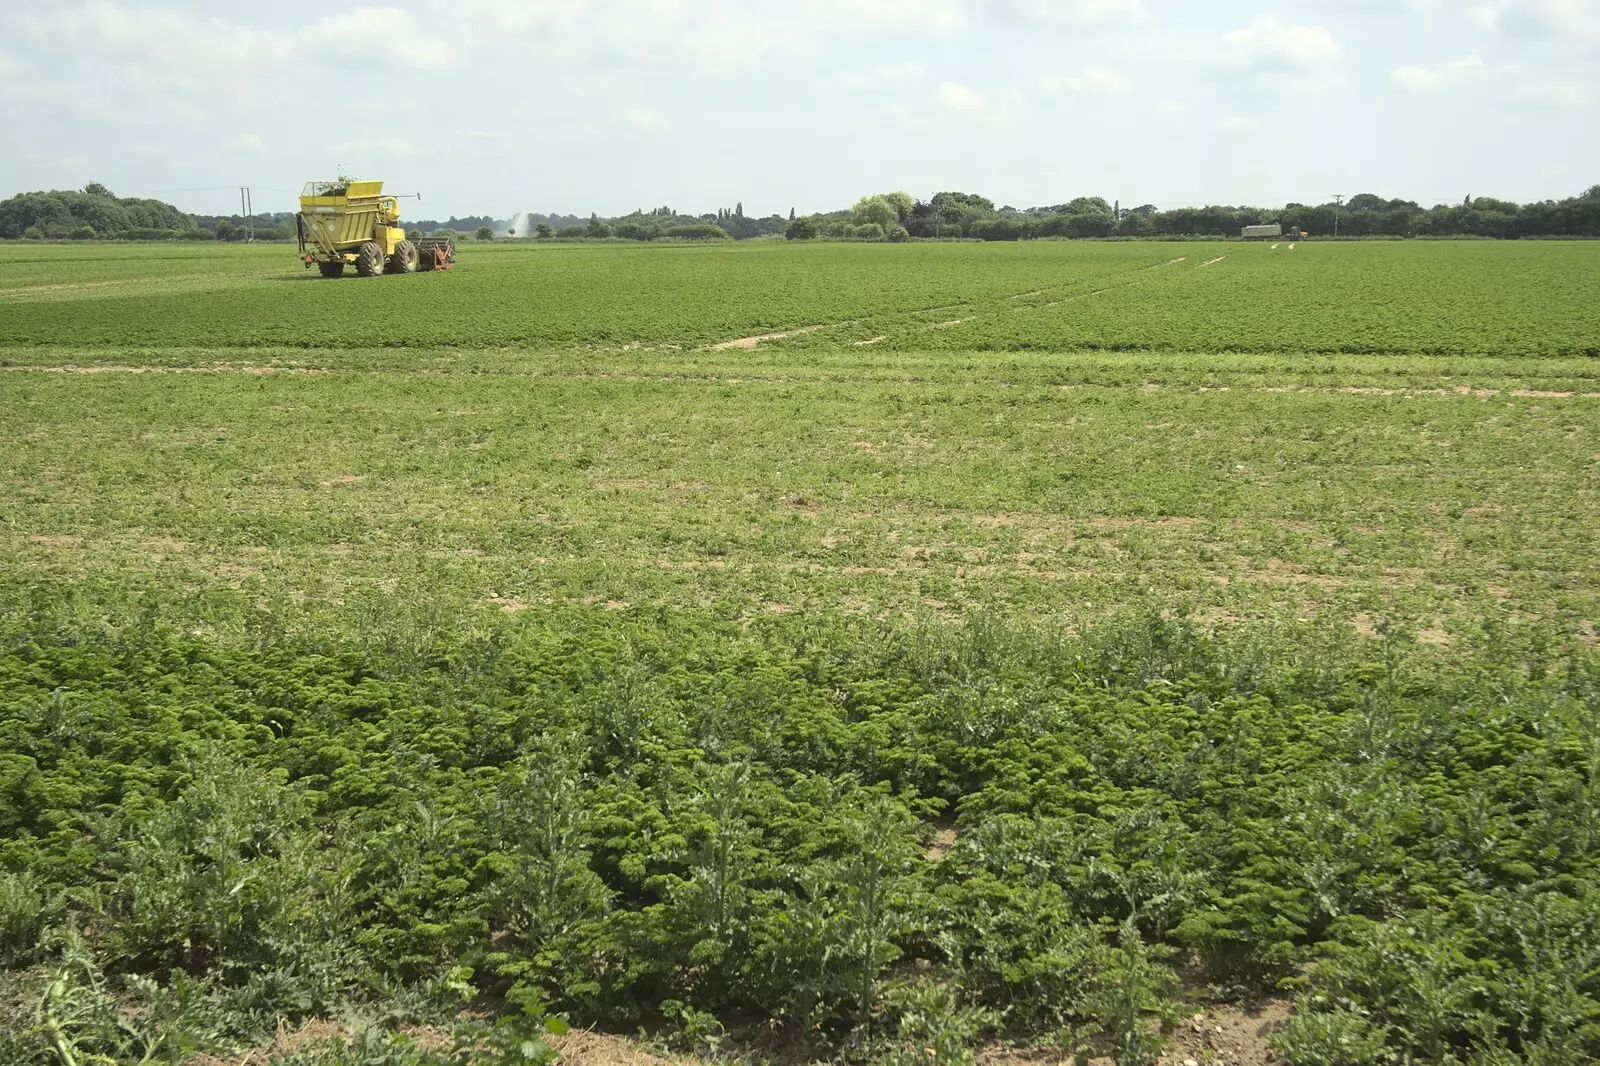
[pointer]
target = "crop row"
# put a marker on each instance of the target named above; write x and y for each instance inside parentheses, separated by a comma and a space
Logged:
(1486, 298)
(638, 817)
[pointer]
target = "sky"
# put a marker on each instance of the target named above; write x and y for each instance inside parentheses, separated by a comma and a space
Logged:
(578, 106)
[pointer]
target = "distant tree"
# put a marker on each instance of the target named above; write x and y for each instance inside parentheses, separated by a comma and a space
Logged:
(1087, 205)
(998, 229)
(875, 211)
(902, 202)
(82, 233)
(942, 200)
(738, 209)
(94, 188)
(1089, 224)
(597, 227)
(791, 210)
(800, 229)
(1134, 224)
(484, 233)
(633, 230)
(543, 231)
(696, 231)
(955, 213)
(413, 235)
(1366, 201)
(1591, 193)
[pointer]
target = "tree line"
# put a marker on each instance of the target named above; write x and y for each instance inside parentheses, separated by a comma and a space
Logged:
(93, 212)
(96, 212)
(897, 216)
(656, 223)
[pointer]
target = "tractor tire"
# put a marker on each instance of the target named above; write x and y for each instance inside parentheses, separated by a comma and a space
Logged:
(331, 269)
(425, 260)
(369, 260)
(404, 259)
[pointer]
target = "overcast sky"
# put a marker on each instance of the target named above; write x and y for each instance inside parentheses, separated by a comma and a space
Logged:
(496, 106)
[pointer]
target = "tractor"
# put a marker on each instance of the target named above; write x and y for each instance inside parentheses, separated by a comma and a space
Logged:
(351, 222)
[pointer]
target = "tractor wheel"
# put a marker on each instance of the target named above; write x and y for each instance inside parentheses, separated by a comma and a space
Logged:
(425, 261)
(331, 268)
(404, 259)
(369, 260)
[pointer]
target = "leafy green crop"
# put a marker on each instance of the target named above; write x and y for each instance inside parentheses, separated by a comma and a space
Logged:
(1509, 299)
(1055, 637)
(487, 810)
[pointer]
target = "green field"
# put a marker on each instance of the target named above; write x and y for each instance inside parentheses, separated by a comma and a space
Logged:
(1031, 643)
(1432, 298)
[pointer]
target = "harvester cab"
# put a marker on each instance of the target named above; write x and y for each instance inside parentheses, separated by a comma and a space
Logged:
(352, 223)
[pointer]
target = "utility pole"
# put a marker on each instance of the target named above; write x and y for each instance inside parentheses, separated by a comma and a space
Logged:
(247, 209)
(1338, 202)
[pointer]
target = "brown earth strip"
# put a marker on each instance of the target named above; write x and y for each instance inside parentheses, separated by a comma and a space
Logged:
(749, 343)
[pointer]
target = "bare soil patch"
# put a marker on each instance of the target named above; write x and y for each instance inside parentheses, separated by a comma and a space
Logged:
(1217, 1036)
(585, 1047)
(749, 343)
(1227, 1036)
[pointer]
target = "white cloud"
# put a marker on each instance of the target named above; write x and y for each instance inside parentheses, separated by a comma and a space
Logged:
(379, 36)
(1095, 81)
(1576, 21)
(1554, 92)
(1237, 124)
(545, 97)
(938, 16)
(376, 148)
(899, 71)
(958, 97)
(1389, 7)
(1268, 44)
(1072, 12)
(1422, 79)
(886, 74)
(1515, 83)
(1110, 11)
(643, 119)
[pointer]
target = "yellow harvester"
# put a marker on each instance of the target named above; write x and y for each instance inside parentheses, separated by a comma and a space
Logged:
(344, 222)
